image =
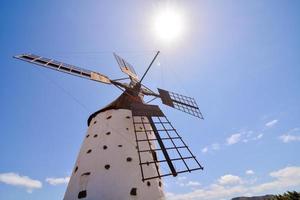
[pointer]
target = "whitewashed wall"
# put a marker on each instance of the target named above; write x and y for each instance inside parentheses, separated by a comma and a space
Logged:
(107, 167)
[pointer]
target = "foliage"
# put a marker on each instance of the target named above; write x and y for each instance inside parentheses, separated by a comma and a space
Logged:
(288, 196)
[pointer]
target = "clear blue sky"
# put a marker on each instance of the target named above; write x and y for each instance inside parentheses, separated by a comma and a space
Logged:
(239, 59)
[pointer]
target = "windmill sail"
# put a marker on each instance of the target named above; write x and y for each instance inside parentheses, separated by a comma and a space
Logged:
(160, 146)
(180, 102)
(63, 67)
(160, 149)
(126, 67)
(157, 151)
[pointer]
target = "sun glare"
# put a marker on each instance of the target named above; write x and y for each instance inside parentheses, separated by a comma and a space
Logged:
(169, 24)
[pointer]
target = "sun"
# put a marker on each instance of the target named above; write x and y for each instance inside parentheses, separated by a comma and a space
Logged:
(169, 24)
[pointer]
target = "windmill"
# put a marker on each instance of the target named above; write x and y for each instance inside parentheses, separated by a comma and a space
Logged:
(129, 145)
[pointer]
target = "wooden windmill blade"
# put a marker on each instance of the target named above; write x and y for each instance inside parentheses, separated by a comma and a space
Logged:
(63, 67)
(126, 67)
(180, 102)
(160, 146)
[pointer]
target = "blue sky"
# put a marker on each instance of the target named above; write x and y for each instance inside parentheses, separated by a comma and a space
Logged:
(238, 59)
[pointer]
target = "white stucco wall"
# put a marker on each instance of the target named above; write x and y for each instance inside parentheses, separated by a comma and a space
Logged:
(116, 182)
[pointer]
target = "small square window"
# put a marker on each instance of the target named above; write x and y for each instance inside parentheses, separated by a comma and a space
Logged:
(76, 168)
(133, 192)
(86, 174)
(128, 159)
(82, 194)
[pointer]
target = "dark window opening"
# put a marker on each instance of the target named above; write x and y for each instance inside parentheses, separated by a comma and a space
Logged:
(133, 191)
(108, 133)
(87, 136)
(76, 168)
(82, 194)
(127, 129)
(107, 166)
(104, 147)
(120, 145)
(108, 117)
(95, 136)
(148, 183)
(86, 174)
(154, 155)
(128, 159)
(89, 151)
(95, 122)
(159, 183)
(128, 117)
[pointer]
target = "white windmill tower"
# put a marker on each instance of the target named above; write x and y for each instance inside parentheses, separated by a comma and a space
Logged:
(129, 145)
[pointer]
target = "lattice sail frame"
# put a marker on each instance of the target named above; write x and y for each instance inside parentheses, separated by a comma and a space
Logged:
(126, 67)
(180, 102)
(159, 146)
(63, 67)
(158, 143)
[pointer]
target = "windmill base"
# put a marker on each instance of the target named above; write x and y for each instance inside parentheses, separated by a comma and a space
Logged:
(107, 166)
